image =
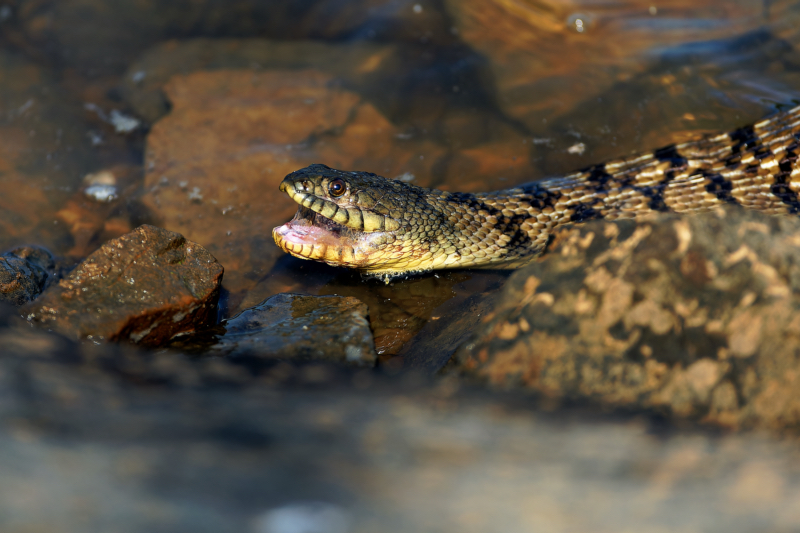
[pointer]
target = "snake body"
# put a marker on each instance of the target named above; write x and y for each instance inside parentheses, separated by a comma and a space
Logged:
(389, 228)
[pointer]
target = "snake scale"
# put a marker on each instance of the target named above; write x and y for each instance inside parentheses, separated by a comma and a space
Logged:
(388, 228)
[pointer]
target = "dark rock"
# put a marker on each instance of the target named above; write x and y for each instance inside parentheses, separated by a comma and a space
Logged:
(144, 287)
(433, 346)
(24, 274)
(695, 316)
(400, 309)
(299, 327)
(36, 256)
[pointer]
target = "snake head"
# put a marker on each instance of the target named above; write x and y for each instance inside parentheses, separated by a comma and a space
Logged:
(359, 201)
(351, 219)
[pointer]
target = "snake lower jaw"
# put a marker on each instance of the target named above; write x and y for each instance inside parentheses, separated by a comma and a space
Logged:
(310, 235)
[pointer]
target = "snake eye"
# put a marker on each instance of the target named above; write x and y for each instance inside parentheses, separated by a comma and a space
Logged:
(337, 187)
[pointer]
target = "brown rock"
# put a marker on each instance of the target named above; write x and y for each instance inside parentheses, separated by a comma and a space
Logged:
(144, 287)
(215, 162)
(618, 313)
(491, 166)
(145, 79)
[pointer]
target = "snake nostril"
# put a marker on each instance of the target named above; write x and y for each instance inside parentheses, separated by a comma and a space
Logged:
(303, 186)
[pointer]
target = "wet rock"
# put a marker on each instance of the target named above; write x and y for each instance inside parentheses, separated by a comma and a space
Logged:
(24, 274)
(424, 308)
(433, 346)
(694, 317)
(144, 287)
(299, 328)
(214, 163)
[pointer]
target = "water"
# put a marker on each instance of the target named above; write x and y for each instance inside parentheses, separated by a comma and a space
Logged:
(458, 95)
(186, 114)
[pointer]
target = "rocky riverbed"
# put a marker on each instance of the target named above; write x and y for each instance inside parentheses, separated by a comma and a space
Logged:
(165, 367)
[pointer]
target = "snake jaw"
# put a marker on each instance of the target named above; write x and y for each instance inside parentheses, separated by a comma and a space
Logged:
(309, 235)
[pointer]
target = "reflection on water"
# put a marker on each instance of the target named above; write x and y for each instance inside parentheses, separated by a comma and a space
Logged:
(460, 94)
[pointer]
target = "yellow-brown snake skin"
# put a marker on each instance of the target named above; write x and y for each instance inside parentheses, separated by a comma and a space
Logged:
(388, 228)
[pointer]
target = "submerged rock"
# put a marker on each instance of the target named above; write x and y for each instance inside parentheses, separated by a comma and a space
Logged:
(358, 65)
(299, 327)
(215, 162)
(695, 316)
(144, 287)
(24, 274)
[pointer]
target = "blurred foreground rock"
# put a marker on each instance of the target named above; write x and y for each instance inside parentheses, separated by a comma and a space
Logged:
(144, 287)
(294, 327)
(98, 438)
(695, 317)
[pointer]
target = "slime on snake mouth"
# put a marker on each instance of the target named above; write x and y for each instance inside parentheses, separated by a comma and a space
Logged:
(389, 228)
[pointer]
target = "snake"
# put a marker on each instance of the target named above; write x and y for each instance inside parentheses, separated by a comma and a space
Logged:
(389, 228)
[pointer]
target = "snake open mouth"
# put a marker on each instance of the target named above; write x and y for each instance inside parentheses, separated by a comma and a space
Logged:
(356, 220)
(310, 235)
